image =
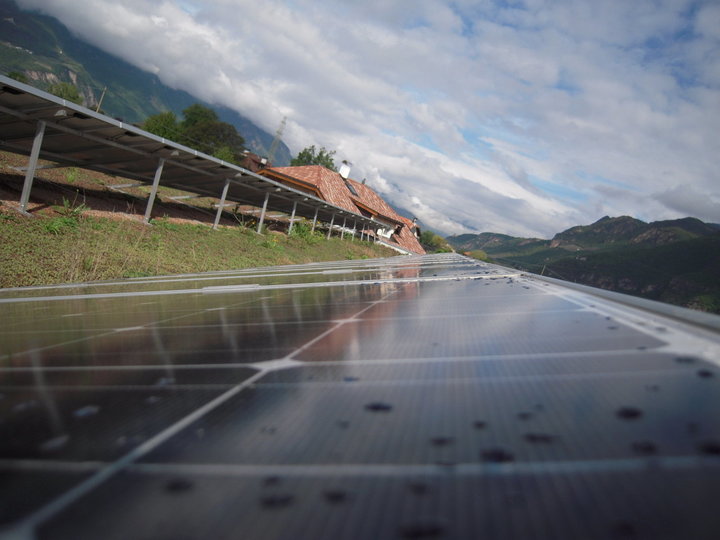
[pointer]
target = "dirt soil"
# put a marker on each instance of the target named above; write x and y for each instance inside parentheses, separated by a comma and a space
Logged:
(53, 186)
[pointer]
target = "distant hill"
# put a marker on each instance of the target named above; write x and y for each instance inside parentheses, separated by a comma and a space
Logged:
(494, 242)
(624, 229)
(46, 52)
(675, 261)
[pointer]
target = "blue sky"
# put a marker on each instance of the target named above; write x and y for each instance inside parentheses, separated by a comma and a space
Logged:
(523, 117)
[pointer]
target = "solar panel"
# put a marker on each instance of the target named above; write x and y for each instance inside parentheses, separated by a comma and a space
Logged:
(38, 124)
(410, 397)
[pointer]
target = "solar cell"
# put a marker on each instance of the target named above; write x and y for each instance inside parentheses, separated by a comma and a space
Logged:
(411, 397)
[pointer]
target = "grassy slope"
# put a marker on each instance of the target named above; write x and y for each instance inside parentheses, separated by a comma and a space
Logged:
(64, 249)
(79, 242)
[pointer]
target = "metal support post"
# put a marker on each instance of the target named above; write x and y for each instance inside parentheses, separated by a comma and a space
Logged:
(32, 164)
(354, 230)
(332, 221)
(292, 217)
(222, 203)
(153, 191)
(315, 220)
(342, 231)
(262, 213)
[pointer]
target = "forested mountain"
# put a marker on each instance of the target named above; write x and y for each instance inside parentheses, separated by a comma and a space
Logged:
(675, 261)
(46, 52)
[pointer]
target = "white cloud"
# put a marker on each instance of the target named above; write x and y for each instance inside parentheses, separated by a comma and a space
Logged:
(521, 117)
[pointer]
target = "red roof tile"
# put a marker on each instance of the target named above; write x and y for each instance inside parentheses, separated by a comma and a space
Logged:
(334, 189)
(329, 183)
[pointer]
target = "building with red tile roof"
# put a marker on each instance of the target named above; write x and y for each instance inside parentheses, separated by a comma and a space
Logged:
(393, 229)
(252, 162)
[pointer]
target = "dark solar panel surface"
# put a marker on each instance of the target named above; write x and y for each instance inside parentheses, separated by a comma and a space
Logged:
(413, 397)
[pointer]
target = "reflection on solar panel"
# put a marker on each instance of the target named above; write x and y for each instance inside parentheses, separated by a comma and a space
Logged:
(414, 397)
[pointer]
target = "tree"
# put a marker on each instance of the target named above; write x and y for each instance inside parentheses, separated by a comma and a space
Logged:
(434, 243)
(202, 129)
(164, 124)
(226, 154)
(479, 254)
(311, 156)
(66, 91)
(209, 137)
(197, 114)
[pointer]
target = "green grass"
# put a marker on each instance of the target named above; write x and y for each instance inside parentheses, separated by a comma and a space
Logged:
(72, 247)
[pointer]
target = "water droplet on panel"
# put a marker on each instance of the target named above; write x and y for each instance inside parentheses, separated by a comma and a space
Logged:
(628, 413)
(277, 501)
(422, 530)
(644, 448)
(88, 410)
(705, 374)
(539, 438)
(496, 455)
(178, 485)
(335, 496)
(710, 448)
(378, 406)
(442, 441)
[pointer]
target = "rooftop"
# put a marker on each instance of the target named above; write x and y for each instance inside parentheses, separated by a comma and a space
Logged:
(353, 196)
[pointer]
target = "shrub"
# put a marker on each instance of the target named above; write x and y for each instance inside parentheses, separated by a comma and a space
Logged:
(305, 232)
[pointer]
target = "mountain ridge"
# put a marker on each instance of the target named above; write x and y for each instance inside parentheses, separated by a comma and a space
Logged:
(46, 52)
(675, 261)
(604, 232)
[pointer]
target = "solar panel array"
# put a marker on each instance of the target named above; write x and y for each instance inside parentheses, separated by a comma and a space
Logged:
(411, 397)
(72, 135)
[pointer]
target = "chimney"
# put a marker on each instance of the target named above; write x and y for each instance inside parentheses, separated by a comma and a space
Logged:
(344, 170)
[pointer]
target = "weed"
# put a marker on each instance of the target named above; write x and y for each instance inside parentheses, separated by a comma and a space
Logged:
(70, 209)
(271, 242)
(305, 232)
(239, 216)
(60, 225)
(71, 175)
(301, 230)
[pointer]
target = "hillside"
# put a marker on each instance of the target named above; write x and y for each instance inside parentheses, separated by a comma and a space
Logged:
(684, 273)
(46, 52)
(675, 261)
(82, 230)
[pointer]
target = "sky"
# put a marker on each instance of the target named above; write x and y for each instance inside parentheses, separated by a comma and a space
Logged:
(523, 117)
